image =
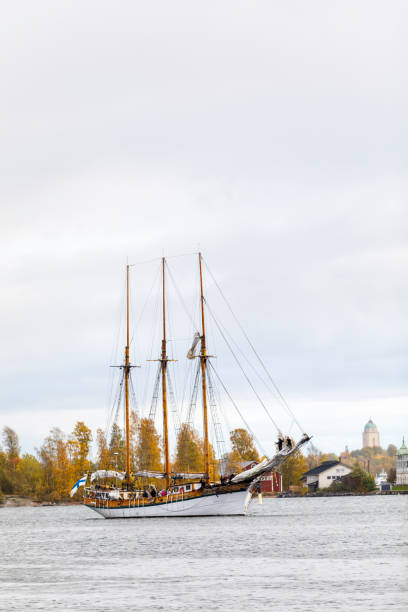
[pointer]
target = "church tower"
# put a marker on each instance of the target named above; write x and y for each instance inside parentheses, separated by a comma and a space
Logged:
(402, 465)
(371, 437)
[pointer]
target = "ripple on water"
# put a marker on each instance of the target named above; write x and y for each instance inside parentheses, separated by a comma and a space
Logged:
(288, 554)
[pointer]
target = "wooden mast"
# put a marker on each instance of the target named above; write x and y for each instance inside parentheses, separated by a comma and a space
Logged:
(203, 359)
(164, 361)
(127, 373)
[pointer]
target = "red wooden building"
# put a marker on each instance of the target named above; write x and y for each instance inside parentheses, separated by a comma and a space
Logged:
(271, 482)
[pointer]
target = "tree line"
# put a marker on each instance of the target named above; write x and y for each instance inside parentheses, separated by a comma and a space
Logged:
(61, 460)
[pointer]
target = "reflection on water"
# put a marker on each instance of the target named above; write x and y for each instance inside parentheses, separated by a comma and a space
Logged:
(288, 554)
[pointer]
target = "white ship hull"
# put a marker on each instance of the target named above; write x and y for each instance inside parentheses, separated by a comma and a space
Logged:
(225, 504)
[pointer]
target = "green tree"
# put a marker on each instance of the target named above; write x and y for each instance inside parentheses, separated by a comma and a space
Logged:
(358, 481)
(243, 443)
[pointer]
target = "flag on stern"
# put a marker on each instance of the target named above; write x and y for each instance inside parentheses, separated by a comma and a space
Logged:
(79, 483)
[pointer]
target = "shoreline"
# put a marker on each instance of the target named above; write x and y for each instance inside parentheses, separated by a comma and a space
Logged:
(19, 501)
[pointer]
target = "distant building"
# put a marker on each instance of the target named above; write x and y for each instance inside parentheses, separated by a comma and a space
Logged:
(371, 436)
(323, 475)
(402, 465)
(380, 478)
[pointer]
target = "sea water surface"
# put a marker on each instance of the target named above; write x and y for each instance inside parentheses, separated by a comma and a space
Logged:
(341, 553)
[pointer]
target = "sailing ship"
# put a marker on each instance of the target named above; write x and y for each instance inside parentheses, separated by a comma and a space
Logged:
(183, 493)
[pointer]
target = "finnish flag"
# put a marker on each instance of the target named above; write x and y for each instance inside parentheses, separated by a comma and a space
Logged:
(80, 483)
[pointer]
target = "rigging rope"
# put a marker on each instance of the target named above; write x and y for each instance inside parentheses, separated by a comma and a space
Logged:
(237, 409)
(193, 401)
(285, 403)
(242, 369)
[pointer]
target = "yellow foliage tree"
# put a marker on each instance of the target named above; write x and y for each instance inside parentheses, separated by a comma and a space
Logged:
(64, 471)
(292, 470)
(243, 443)
(214, 465)
(189, 456)
(79, 443)
(133, 434)
(234, 463)
(148, 452)
(58, 473)
(29, 472)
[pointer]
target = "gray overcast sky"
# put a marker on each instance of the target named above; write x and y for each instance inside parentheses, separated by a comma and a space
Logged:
(273, 135)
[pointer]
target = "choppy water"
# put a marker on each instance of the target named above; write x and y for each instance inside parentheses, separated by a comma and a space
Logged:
(288, 554)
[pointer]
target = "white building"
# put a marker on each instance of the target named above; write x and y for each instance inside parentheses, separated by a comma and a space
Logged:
(402, 465)
(371, 436)
(324, 474)
(380, 478)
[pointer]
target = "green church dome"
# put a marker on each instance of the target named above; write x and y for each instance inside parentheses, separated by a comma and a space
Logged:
(370, 426)
(403, 450)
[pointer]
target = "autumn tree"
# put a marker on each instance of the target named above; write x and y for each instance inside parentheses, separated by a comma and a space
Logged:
(103, 450)
(58, 475)
(133, 435)
(243, 443)
(148, 452)
(233, 463)
(214, 464)
(12, 447)
(79, 446)
(314, 456)
(64, 471)
(30, 474)
(117, 448)
(189, 457)
(292, 469)
(7, 483)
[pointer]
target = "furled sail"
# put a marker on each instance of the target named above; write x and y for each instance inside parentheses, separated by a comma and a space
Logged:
(269, 464)
(196, 339)
(153, 474)
(107, 474)
(149, 474)
(191, 475)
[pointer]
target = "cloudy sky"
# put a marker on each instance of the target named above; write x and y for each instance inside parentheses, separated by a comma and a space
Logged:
(272, 136)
